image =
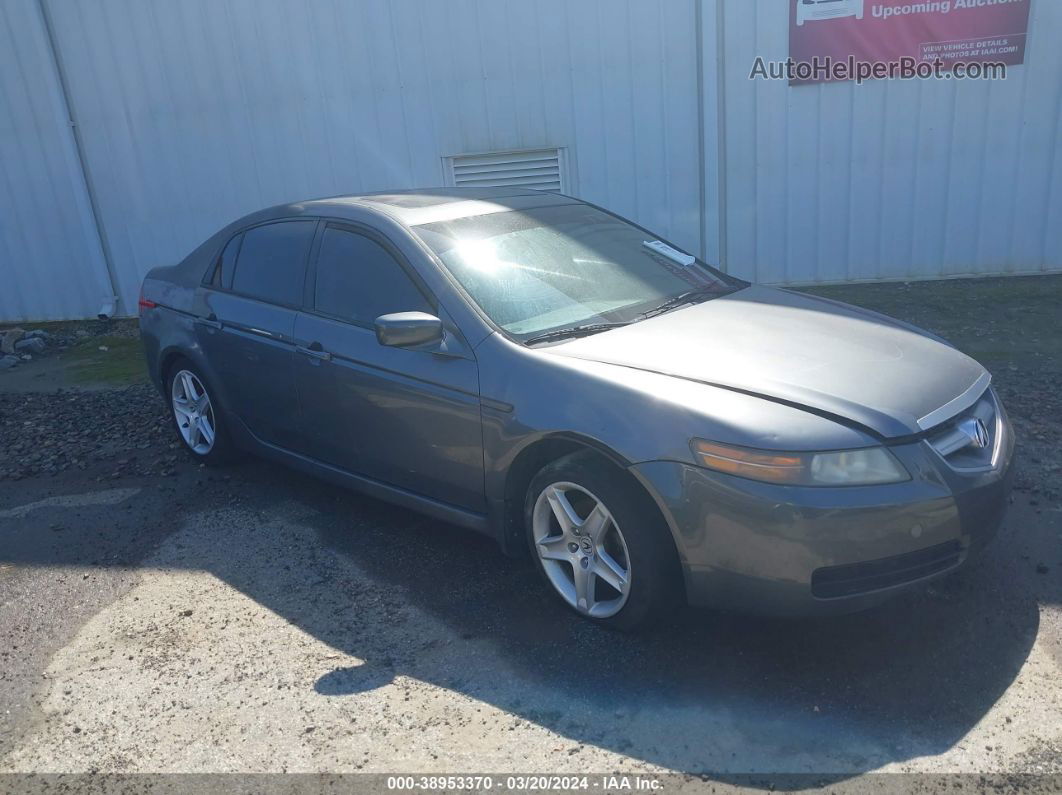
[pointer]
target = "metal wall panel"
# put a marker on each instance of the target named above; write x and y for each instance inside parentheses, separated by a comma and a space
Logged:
(195, 112)
(192, 113)
(888, 180)
(51, 261)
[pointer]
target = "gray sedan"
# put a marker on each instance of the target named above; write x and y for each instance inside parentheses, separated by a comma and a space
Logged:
(537, 369)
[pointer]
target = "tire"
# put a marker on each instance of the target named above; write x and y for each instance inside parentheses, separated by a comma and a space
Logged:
(201, 427)
(615, 563)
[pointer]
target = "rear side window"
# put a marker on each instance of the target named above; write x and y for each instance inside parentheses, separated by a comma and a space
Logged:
(358, 280)
(272, 260)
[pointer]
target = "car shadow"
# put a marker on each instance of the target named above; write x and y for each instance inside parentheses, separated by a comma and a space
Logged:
(707, 693)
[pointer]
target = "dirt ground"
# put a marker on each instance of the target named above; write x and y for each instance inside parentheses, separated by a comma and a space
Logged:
(160, 617)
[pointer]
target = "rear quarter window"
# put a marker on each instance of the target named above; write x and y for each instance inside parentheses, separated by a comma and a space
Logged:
(226, 264)
(271, 262)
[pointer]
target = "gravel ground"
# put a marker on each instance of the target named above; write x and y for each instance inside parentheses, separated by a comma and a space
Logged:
(52, 429)
(45, 434)
(156, 616)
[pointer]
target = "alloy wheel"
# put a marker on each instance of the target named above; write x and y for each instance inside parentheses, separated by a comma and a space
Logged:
(193, 411)
(582, 549)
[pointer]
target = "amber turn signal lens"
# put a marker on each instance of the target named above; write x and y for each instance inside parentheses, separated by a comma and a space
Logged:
(755, 464)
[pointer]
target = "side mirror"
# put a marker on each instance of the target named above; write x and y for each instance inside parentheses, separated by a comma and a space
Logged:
(408, 329)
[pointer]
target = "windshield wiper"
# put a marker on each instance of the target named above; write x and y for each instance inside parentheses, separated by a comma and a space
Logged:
(688, 297)
(573, 331)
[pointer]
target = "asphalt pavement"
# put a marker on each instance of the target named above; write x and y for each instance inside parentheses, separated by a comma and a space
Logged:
(255, 620)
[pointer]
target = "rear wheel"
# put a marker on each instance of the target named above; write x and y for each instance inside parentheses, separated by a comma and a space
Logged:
(197, 416)
(602, 546)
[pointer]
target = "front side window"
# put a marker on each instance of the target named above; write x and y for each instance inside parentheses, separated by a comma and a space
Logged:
(358, 280)
(271, 264)
(546, 269)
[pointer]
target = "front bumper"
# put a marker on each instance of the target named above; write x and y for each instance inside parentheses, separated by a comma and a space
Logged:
(784, 550)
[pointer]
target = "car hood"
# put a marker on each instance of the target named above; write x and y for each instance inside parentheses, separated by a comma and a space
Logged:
(818, 354)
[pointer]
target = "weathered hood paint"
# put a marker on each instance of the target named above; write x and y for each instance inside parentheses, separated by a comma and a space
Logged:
(798, 349)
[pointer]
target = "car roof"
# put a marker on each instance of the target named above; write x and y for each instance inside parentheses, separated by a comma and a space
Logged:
(423, 205)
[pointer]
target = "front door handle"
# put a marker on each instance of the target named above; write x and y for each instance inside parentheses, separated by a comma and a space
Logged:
(315, 351)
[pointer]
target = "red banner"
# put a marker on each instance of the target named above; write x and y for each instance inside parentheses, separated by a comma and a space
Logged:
(916, 31)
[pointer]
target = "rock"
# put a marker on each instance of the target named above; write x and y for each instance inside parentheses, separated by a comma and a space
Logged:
(38, 333)
(7, 362)
(8, 340)
(31, 345)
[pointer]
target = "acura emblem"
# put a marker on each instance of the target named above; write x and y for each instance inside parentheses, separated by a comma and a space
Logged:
(981, 439)
(977, 431)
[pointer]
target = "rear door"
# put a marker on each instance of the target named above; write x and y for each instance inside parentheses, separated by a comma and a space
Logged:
(409, 418)
(248, 338)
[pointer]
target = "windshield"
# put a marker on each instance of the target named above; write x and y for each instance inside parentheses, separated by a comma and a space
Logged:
(551, 268)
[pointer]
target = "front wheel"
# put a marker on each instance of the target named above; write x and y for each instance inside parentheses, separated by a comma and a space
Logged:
(601, 544)
(197, 416)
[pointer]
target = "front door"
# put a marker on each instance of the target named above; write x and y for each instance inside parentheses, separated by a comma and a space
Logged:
(408, 418)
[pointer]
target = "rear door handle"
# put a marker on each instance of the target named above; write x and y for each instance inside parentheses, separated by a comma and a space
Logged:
(209, 322)
(315, 351)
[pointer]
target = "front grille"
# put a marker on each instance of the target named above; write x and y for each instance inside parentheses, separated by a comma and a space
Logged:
(955, 443)
(833, 582)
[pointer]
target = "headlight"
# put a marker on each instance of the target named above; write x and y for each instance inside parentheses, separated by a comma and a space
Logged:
(864, 467)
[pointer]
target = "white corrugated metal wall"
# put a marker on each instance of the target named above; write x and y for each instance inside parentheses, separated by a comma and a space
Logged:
(192, 113)
(891, 179)
(51, 261)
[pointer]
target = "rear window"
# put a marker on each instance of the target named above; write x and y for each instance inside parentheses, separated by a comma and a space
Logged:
(272, 261)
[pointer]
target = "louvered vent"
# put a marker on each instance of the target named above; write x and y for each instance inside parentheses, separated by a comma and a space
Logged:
(538, 169)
